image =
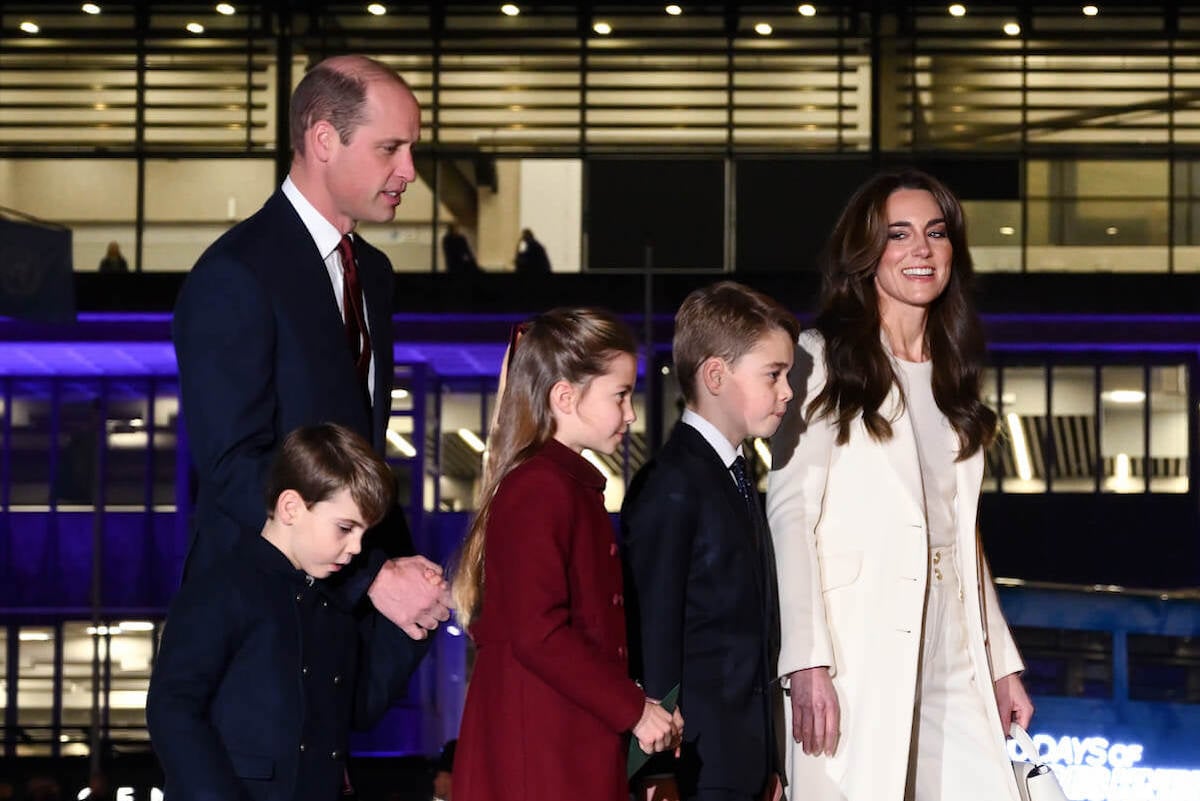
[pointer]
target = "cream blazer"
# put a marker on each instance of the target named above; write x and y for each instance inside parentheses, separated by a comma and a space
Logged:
(852, 549)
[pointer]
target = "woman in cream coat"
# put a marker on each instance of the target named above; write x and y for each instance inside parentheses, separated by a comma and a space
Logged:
(898, 662)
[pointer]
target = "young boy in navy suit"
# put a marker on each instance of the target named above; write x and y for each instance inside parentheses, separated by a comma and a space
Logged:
(263, 670)
(704, 608)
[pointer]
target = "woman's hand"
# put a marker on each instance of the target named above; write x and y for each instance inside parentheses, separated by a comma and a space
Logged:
(657, 729)
(1013, 702)
(816, 716)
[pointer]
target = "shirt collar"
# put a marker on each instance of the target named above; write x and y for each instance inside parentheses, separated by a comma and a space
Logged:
(324, 233)
(712, 436)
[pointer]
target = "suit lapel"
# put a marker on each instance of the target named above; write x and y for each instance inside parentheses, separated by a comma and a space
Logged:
(376, 289)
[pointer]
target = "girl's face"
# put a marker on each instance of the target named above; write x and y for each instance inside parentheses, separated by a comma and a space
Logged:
(597, 414)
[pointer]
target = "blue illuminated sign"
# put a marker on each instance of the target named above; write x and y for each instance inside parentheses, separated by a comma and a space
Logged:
(1096, 769)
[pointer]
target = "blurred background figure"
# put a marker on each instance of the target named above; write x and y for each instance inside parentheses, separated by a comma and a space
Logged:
(443, 769)
(113, 261)
(531, 256)
(457, 250)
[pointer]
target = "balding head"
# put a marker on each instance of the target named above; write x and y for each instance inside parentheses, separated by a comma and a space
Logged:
(335, 90)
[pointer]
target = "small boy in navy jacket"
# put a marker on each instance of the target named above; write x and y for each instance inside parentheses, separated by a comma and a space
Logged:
(262, 671)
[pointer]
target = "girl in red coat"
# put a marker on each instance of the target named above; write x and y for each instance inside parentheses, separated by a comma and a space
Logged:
(539, 579)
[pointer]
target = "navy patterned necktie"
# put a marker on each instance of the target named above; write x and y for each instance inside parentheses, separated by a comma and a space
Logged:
(742, 476)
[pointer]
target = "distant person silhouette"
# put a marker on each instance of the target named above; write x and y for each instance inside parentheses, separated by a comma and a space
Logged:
(113, 261)
(457, 250)
(531, 256)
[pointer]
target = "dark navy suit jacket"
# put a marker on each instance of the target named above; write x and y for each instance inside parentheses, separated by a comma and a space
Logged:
(262, 350)
(260, 677)
(703, 612)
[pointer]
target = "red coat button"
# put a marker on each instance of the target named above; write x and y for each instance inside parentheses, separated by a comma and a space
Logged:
(612, 549)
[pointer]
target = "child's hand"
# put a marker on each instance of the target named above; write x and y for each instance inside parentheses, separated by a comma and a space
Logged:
(656, 731)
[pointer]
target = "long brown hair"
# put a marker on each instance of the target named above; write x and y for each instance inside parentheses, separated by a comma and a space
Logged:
(859, 371)
(573, 345)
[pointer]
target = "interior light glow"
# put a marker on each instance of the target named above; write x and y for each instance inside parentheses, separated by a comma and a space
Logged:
(763, 450)
(1012, 29)
(1019, 447)
(602, 28)
(674, 10)
(378, 9)
(226, 9)
(1124, 396)
(807, 10)
(957, 10)
(472, 439)
(29, 26)
(90, 8)
(400, 443)
(510, 9)
(1090, 11)
(194, 27)
(763, 29)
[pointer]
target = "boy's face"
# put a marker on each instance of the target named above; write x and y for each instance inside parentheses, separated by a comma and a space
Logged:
(327, 536)
(758, 391)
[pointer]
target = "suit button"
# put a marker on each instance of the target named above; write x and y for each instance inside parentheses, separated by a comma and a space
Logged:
(337, 679)
(335, 754)
(324, 604)
(612, 549)
(304, 670)
(303, 748)
(299, 597)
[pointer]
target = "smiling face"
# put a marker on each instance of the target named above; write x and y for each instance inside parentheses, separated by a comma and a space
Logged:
(319, 539)
(366, 175)
(915, 266)
(597, 414)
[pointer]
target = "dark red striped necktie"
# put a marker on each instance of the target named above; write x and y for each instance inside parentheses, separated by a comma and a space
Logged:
(357, 335)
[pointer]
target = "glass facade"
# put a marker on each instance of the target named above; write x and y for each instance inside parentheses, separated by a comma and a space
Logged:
(174, 119)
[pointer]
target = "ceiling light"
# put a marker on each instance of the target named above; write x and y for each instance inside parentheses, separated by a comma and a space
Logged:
(807, 10)
(135, 625)
(1007, 230)
(399, 394)
(400, 443)
(763, 28)
(957, 10)
(510, 9)
(101, 631)
(226, 9)
(1090, 11)
(1012, 28)
(34, 636)
(602, 28)
(1112, 230)
(472, 439)
(378, 9)
(194, 27)
(674, 10)
(90, 8)
(29, 26)
(1124, 396)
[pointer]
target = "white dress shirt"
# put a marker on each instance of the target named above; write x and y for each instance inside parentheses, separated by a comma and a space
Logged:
(326, 236)
(716, 440)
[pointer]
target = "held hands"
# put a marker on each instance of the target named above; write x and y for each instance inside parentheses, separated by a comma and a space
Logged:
(411, 592)
(1013, 702)
(658, 730)
(816, 716)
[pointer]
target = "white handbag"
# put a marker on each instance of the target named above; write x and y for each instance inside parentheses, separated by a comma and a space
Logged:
(1035, 780)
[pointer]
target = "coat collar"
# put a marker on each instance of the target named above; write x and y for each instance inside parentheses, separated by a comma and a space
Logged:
(268, 559)
(573, 464)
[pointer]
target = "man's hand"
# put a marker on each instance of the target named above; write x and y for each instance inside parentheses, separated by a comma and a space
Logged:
(411, 592)
(816, 716)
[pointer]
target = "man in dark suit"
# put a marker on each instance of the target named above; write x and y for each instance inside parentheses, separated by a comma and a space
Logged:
(702, 600)
(285, 321)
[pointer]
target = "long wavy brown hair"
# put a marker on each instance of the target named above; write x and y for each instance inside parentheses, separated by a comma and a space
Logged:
(859, 370)
(574, 345)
